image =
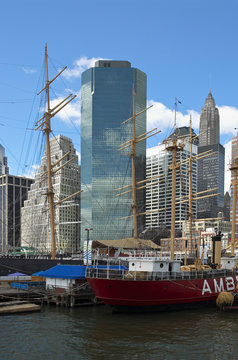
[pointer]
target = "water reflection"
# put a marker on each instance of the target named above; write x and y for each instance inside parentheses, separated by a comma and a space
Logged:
(95, 333)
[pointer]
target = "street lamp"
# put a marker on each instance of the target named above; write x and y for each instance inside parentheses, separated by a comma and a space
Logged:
(87, 229)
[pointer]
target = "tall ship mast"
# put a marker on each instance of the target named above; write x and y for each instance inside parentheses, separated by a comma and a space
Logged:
(173, 146)
(44, 124)
(234, 168)
(194, 196)
(132, 145)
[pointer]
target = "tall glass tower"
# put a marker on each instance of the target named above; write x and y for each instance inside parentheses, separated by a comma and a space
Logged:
(106, 103)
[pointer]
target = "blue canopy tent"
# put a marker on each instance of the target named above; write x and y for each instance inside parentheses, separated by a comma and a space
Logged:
(17, 274)
(71, 271)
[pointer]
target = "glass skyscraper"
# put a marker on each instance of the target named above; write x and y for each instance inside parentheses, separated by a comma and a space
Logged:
(106, 103)
(13, 193)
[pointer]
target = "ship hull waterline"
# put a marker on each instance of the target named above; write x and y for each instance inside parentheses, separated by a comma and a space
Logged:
(159, 295)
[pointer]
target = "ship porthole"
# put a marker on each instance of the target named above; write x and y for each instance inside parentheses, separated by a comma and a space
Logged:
(161, 265)
(133, 264)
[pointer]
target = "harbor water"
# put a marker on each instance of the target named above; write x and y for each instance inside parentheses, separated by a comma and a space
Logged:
(95, 333)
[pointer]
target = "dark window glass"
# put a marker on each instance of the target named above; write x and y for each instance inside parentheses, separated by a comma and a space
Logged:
(106, 103)
(10, 215)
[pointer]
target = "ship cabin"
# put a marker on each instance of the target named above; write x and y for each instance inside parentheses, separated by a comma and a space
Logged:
(228, 263)
(154, 264)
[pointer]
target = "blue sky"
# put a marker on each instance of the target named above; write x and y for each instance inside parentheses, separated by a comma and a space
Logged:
(185, 47)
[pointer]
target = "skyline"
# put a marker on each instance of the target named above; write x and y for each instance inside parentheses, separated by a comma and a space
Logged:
(185, 49)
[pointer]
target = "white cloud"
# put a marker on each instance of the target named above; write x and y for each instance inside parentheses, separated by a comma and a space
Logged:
(31, 171)
(163, 118)
(228, 119)
(79, 156)
(28, 70)
(79, 66)
(70, 113)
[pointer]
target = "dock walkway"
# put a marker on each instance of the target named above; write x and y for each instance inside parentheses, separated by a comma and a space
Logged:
(12, 307)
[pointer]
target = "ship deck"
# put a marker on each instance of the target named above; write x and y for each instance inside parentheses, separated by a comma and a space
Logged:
(123, 274)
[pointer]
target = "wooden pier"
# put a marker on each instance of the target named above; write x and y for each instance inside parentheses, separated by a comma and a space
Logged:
(79, 296)
(13, 307)
(82, 296)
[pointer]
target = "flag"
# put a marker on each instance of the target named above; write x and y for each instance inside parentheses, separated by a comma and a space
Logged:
(87, 252)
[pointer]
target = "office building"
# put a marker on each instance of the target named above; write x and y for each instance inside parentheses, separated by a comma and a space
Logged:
(4, 169)
(227, 206)
(158, 195)
(209, 128)
(106, 103)
(35, 229)
(13, 192)
(210, 168)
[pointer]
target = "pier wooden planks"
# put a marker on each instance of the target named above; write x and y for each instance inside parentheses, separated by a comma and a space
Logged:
(19, 308)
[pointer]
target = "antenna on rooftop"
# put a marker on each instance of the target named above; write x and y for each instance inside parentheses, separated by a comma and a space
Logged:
(210, 82)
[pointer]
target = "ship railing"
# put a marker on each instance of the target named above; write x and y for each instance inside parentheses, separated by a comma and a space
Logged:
(148, 254)
(186, 275)
(105, 273)
(165, 275)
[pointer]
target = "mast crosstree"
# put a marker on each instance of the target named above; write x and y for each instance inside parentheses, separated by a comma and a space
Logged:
(44, 124)
(234, 168)
(132, 144)
(174, 145)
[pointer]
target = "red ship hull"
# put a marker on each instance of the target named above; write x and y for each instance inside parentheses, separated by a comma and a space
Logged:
(160, 293)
